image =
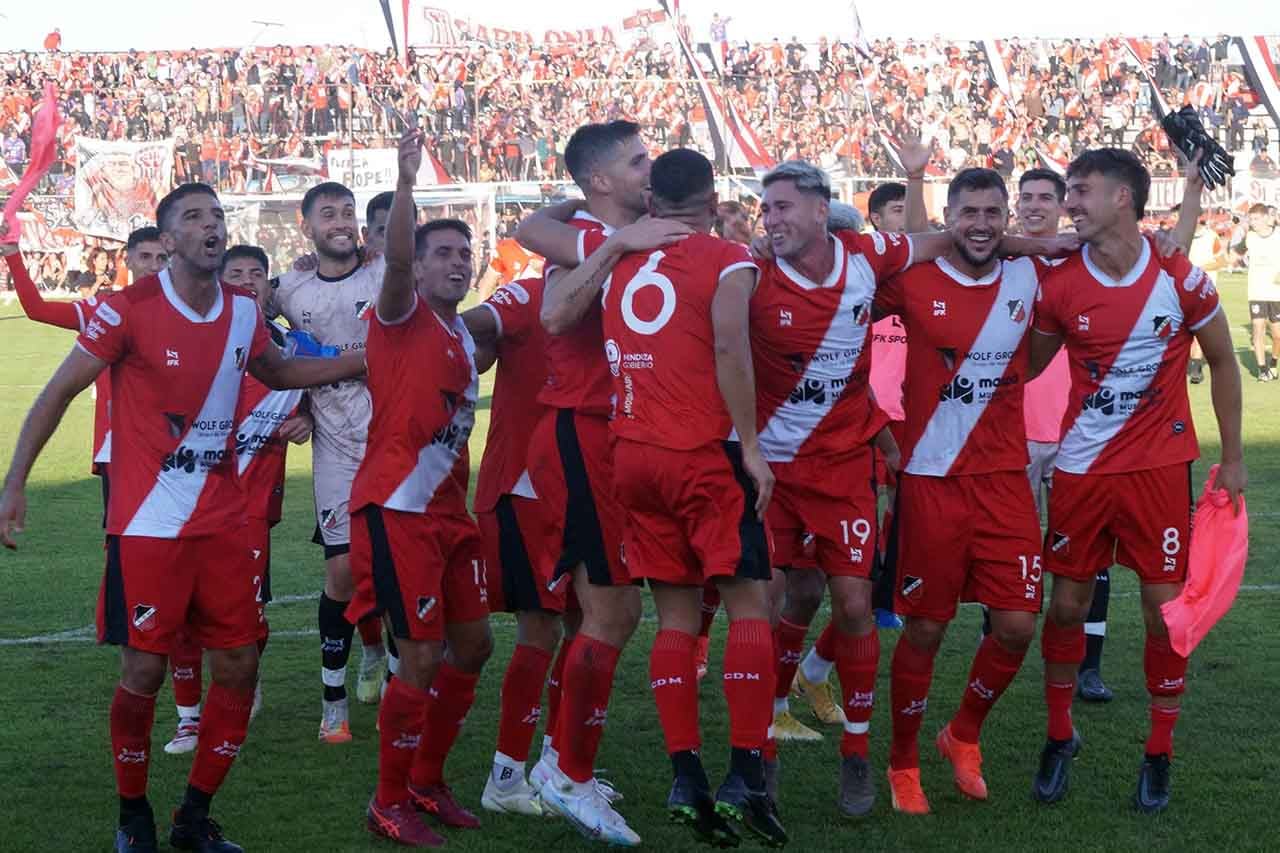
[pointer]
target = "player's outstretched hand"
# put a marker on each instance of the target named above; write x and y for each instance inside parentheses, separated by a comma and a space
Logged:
(410, 155)
(914, 154)
(7, 249)
(1062, 245)
(761, 477)
(297, 429)
(1166, 245)
(648, 233)
(13, 514)
(762, 247)
(1232, 478)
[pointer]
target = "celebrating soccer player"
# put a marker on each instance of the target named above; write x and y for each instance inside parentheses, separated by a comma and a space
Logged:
(1122, 484)
(178, 552)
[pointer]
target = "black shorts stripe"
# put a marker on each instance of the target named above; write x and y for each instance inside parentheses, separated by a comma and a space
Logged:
(386, 585)
(519, 586)
(115, 610)
(330, 551)
(886, 571)
(583, 540)
(753, 543)
(106, 495)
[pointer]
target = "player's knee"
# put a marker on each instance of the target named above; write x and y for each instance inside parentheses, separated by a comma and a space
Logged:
(142, 673)
(235, 668)
(851, 611)
(538, 628)
(472, 655)
(804, 595)
(925, 634)
(1015, 632)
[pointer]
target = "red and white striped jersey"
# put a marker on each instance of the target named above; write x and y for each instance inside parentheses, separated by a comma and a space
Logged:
(810, 348)
(966, 365)
(260, 452)
(423, 384)
(514, 409)
(175, 378)
(1127, 342)
(577, 375)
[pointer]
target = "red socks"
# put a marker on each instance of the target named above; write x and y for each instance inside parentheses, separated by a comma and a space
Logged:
(131, 719)
(584, 705)
(856, 661)
(910, 676)
(673, 678)
(222, 730)
(452, 694)
(184, 665)
(400, 720)
(370, 631)
(1166, 677)
(993, 670)
(710, 604)
(826, 644)
(522, 700)
(748, 682)
(554, 692)
(1065, 646)
(788, 645)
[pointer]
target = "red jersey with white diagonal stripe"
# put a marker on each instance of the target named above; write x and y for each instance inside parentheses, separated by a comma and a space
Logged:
(966, 365)
(577, 375)
(422, 382)
(260, 452)
(660, 343)
(811, 348)
(1127, 342)
(175, 381)
(514, 409)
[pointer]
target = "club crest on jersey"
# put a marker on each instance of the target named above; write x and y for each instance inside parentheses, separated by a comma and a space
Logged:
(144, 617)
(1017, 310)
(1163, 326)
(328, 519)
(426, 603)
(177, 424)
(1060, 543)
(861, 314)
(241, 352)
(912, 586)
(362, 308)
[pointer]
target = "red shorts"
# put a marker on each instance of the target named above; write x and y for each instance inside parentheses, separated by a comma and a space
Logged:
(824, 510)
(421, 570)
(521, 550)
(690, 514)
(571, 466)
(883, 477)
(153, 587)
(1140, 519)
(967, 538)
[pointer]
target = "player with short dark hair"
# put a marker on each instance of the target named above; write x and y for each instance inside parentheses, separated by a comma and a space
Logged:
(887, 208)
(178, 344)
(416, 556)
(1122, 484)
(373, 234)
(689, 471)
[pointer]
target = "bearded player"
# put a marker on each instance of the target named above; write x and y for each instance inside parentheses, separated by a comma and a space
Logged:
(1122, 484)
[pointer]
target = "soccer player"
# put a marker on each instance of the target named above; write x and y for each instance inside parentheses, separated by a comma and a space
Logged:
(416, 555)
(515, 524)
(177, 344)
(689, 471)
(569, 456)
(266, 421)
(967, 525)
(332, 302)
(1122, 484)
(1263, 244)
(373, 234)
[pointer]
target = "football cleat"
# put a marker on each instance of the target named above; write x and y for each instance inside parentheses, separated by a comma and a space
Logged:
(138, 835)
(690, 804)
(887, 620)
(819, 695)
(966, 764)
(439, 802)
(857, 788)
(1152, 796)
(755, 810)
(510, 796)
(186, 738)
(1054, 775)
(1091, 688)
(334, 724)
(908, 796)
(373, 671)
(200, 833)
(401, 824)
(787, 727)
(587, 810)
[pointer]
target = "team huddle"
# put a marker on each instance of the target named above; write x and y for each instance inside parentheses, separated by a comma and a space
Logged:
(671, 408)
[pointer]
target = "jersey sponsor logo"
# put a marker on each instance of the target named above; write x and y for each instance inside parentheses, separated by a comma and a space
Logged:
(426, 603)
(306, 318)
(108, 314)
(510, 291)
(665, 682)
(894, 237)
(810, 391)
(1103, 400)
(94, 330)
(1194, 280)
(877, 240)
(1017, 310)
(171, 358)
(406, 741)
(251, 443)
(784, 317)
(182, 459)
(939, 308)
(959, 390)
(144, 617)
(1163, 326)
(362, 308)
(1082, 322)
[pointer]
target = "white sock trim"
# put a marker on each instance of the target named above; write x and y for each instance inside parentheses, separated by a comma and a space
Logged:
(781, 706)
(857, 728)
(334, 677)
(815, 667)
(1095, 629)
(501, 759)
(188, 712)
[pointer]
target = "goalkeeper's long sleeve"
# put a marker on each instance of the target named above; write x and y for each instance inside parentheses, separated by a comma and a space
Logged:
(61, 314)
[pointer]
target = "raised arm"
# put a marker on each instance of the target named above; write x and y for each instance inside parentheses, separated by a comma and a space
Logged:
(1224, 371)
(730, 309)
(545, 232)
(61, 314)
(395, 299)
(272, 369)
(1189, 211)
(914, 156)
(75, 374)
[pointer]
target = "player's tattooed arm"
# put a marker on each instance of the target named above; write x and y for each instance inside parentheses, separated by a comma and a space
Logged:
(396, 297)
(730, 310)
(1224, 376)
(77, 372)
(546, 233)
(275, 371)
(1044, 347)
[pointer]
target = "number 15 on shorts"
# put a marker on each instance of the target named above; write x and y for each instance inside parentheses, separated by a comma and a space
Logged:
(1032, 572)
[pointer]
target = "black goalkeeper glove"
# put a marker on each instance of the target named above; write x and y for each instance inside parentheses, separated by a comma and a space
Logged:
(1188, 135)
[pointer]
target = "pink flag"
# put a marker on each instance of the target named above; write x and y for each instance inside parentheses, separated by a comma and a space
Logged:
(1219, 548)
(44, 150)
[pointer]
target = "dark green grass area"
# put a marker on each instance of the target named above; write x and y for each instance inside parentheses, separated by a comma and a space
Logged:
(290, 793)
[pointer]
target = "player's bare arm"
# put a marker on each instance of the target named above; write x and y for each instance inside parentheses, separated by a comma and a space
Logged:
(395, 299)
(569, 294)
(1022, 246)
(546, 233)
(1214, 338)
(77, 372)
(277, 372)
(1189, 211)
(1044, 347)
(887, 446)
(730, 309)
(914, 156)
(483, 326)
